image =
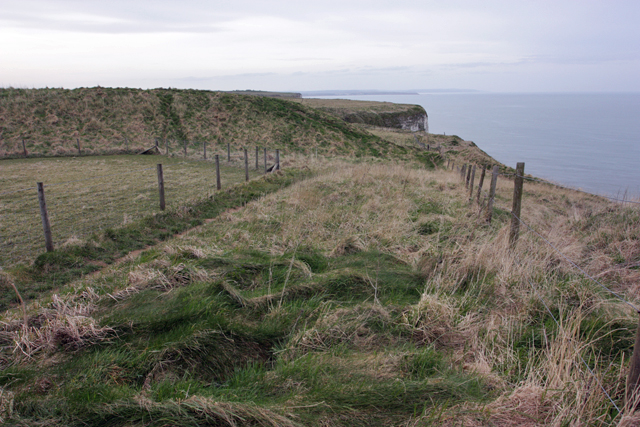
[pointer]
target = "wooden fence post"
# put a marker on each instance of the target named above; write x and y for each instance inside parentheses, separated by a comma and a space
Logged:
(246, 165)
(448, 163)
(185, 148)
(79, 150)
(428, 149)
(517, 205)
(632, 398)
(204, 146)
(166, 145)
(453, 164)
(468, 176)
(484, 170)
(492, 192)
(257, 157)
(229, 152)
(473, 178)
(161, 186)
(265, 160)
(46, 225)
(126, 143)
(218, 184)
(277, 160)
(463, 169)
(24, 148)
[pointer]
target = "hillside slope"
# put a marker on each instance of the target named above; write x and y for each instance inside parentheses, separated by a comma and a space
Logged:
(369, 294)
(54, 121)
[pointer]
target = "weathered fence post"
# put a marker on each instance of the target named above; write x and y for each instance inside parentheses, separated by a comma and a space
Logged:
(257, 156)
(46, 226)
(453, 164)
(246, 165)
(517, 204)
(79, 150)
(473, 178)
(448, 163)
(481, 182)
(166, 145)
(428, 149)
(492, 192)
(468, 176)
(185, 148)
(277, 160)
(204, 147)
(633, 380)
(463, 169)
(161, 186)
(229, 152)
(126, 143)
(218, 184)
(265, 160)
(24, 148)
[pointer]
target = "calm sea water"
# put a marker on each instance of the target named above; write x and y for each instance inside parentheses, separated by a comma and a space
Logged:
(587, 141)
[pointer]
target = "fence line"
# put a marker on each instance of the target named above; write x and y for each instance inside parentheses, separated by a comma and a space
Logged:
(75, 210)
(633, 381)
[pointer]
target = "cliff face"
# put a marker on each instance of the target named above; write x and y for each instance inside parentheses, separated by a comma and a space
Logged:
(415, 119)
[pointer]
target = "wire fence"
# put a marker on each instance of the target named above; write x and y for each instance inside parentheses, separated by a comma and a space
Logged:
(466, 175)
(78, 208)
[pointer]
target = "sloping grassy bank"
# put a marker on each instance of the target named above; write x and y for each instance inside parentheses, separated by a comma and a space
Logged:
(56, 122)
(52, 269)
(369, 294)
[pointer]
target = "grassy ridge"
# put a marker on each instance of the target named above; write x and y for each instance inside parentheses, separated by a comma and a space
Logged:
(369, 294)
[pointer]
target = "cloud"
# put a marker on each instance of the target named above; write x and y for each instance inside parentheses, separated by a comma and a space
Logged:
(375, 43)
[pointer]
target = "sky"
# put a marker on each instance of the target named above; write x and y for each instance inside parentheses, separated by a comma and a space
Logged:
(496, 46)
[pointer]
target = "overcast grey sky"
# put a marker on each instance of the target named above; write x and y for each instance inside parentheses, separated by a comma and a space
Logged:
(504, 46)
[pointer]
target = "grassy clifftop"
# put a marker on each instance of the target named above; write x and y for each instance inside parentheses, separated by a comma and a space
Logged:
(381, 114)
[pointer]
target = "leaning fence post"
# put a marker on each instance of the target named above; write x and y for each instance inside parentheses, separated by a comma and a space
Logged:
(218, 184)
(229, 152)
(453, 164)
(204, 146)
(463, 169)
(492, 192)
(480, 183)
(46, 226)
(79, 151)
(468, 176)
(185, 148)
(246, 165)
(277, 160)
(24, 148)
(517, 204)
(265, 160)
(473, 178)
(633, 380)
(161, 186)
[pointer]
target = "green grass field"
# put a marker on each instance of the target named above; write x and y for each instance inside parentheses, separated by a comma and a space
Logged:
(86, 195)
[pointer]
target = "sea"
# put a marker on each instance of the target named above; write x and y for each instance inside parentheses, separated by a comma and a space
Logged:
(589, 141)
